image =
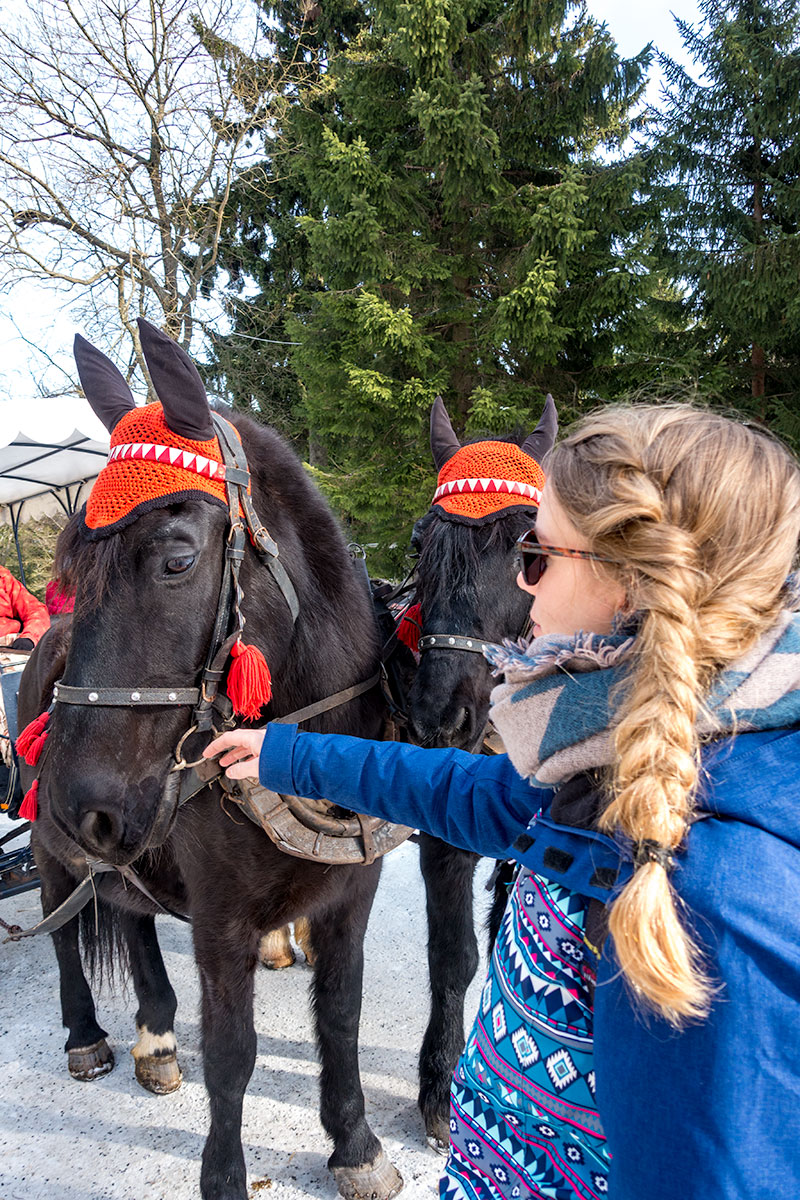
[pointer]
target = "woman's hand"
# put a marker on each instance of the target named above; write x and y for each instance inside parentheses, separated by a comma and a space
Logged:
(242, 748)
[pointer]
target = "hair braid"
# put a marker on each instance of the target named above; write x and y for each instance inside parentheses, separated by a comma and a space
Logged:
(703, 516)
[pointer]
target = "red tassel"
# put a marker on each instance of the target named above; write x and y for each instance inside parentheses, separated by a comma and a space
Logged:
(30, 742)
(30, 804)
(410, 626)
(249, 681)
(35, 749)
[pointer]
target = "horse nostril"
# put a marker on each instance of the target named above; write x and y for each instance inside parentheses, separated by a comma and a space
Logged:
(98, 830)
(463, 720)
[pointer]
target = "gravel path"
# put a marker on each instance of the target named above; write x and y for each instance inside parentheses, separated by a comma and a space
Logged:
(111, 1140)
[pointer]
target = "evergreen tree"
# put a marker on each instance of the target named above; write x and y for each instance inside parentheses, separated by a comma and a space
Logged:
(729, 143)
(452, 213)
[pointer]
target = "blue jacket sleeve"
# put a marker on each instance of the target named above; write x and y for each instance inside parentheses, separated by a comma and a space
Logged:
(477, 802)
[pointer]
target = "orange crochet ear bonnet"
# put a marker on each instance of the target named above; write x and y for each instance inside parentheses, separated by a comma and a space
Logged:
(483, 480)
(150, 466)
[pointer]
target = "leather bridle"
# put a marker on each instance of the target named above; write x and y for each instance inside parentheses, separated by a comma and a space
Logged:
(206, 700)
(474, 645)
(451, 641)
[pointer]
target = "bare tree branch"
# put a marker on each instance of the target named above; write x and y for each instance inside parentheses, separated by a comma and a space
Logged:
(120, 136)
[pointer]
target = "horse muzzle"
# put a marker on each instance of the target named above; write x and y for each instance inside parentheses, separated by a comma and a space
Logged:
(108, 823)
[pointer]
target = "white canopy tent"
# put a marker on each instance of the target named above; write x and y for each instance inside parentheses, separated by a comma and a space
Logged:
(50, 448)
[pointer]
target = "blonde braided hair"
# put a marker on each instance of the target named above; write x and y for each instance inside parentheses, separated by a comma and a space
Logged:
(702, 514)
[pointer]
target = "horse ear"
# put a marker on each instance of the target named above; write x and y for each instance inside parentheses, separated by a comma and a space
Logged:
(444, 442)
(177, 383)
(103, 385)
(541, 441)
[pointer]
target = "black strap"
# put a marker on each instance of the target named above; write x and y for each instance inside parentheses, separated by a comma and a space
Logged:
(321, 706)
(451, 641)
(125, 697)
(66, 911)
(238, 476)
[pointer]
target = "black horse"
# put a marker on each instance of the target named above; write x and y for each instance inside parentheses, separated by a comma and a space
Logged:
(466, 589)
(147, 596)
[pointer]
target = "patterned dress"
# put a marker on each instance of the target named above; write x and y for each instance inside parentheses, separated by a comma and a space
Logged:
(523, 1119)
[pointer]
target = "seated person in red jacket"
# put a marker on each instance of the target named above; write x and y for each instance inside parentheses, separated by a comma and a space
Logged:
(23, 618)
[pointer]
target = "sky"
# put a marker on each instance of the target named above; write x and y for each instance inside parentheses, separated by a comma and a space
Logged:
(40, 315)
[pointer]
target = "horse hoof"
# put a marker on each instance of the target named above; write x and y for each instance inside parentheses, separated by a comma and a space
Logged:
(437, 1134)
(278, 964)
(275, 950)
(159, 1073)
(437, 1144)
(90, 1062)
(378, 1180)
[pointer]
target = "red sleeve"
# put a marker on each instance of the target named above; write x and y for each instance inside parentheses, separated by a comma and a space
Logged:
(30, 612)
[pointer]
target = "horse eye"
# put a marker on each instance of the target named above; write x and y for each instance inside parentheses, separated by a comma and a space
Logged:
(176, 566)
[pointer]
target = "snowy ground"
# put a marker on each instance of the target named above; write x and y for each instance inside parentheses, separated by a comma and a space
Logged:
(111, 1140)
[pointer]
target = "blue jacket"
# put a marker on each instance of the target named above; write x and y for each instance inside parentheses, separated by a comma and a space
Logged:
(713, 1112)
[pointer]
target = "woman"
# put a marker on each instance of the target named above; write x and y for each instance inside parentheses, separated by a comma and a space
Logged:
(639, 1031)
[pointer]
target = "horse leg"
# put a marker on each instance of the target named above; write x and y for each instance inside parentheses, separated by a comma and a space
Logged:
(227, 963)
(359, 1163)
(88, 1053)
(452, 963)
(275, 949)
(155, 1054)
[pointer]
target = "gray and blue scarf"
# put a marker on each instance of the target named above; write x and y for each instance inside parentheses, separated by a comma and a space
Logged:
(554, 710)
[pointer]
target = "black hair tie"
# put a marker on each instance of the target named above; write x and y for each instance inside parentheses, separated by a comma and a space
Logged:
(648, 851)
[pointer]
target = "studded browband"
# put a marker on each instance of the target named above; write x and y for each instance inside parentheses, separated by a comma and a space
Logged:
(451, 641)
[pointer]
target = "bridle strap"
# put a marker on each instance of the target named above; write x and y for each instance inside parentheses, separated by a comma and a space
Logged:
(237, 478)
(125, 697)
(456, 641)
(451, 641)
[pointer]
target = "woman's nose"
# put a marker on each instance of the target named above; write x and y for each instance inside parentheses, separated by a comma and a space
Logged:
(524, 585)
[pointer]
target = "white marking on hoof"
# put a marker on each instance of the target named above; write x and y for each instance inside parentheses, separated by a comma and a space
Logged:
(154, 1045)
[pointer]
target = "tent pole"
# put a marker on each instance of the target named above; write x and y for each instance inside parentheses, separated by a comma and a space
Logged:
(15, 528)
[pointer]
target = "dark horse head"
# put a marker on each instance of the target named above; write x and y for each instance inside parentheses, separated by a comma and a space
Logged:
(147, 558)
(465, 575)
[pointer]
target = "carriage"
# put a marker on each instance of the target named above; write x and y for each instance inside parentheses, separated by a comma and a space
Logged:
(51, 448)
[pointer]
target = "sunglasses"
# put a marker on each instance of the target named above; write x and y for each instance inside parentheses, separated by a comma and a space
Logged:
(532, 556)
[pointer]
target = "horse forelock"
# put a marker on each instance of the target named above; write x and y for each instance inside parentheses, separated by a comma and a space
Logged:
(453, 556)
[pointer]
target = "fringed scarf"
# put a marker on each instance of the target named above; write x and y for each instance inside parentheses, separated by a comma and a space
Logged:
(554, 710)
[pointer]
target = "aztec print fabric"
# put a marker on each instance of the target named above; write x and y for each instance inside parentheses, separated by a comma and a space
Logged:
(523, 1119)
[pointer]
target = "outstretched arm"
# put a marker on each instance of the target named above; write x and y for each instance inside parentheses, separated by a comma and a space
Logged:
(477, 802)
